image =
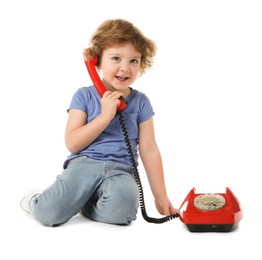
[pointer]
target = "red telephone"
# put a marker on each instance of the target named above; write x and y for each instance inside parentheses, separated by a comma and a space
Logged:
(90, 65)
(217, 212)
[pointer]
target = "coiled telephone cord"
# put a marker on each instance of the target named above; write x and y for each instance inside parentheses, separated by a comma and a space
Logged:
(137, 178)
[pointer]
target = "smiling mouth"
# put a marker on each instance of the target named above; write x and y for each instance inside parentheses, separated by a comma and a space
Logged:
(122, 78)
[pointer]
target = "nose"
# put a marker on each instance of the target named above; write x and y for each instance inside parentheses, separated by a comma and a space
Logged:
(124, 67)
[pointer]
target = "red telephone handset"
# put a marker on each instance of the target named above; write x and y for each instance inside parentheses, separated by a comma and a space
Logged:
(90, 65)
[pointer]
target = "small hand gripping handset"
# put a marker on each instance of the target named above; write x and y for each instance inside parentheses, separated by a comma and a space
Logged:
(90, 65)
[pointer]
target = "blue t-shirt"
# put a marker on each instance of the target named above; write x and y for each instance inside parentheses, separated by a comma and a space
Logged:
(110, 144)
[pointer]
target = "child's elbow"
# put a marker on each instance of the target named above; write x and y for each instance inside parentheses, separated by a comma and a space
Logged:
(72, 147)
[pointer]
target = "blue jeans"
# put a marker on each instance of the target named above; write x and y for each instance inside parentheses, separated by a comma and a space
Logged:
(104, 191)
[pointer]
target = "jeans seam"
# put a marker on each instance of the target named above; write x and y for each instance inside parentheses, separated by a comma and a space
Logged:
(105, 174)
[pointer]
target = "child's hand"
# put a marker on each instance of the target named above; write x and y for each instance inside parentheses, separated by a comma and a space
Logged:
(109, 103)
(165, 207)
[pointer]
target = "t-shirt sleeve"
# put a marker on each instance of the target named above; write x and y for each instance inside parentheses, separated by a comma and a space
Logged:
(146, 109)
(79, 100)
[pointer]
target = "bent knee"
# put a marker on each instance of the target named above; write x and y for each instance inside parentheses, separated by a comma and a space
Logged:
(113, 210)
(51, 219)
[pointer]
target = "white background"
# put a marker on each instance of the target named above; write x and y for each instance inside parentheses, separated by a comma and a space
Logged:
(205, 87)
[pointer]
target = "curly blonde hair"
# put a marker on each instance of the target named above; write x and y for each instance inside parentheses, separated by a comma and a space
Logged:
(119, 31)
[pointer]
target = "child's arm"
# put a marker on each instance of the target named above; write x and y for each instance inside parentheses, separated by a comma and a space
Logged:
(79, 134)
(152, 161)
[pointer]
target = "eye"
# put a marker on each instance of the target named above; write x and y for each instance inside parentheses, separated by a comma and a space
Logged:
(115, 58)
(135, 61)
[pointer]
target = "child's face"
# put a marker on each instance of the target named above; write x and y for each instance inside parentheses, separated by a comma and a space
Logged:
(120, 67)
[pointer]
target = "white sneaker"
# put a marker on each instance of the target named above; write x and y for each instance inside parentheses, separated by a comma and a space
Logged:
(25, 201)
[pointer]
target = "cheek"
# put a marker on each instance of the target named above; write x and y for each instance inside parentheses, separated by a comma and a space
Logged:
(109, 73)
(136, 72)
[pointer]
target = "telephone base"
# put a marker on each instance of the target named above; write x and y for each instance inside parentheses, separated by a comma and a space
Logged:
(211, 228)
(211, 212)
